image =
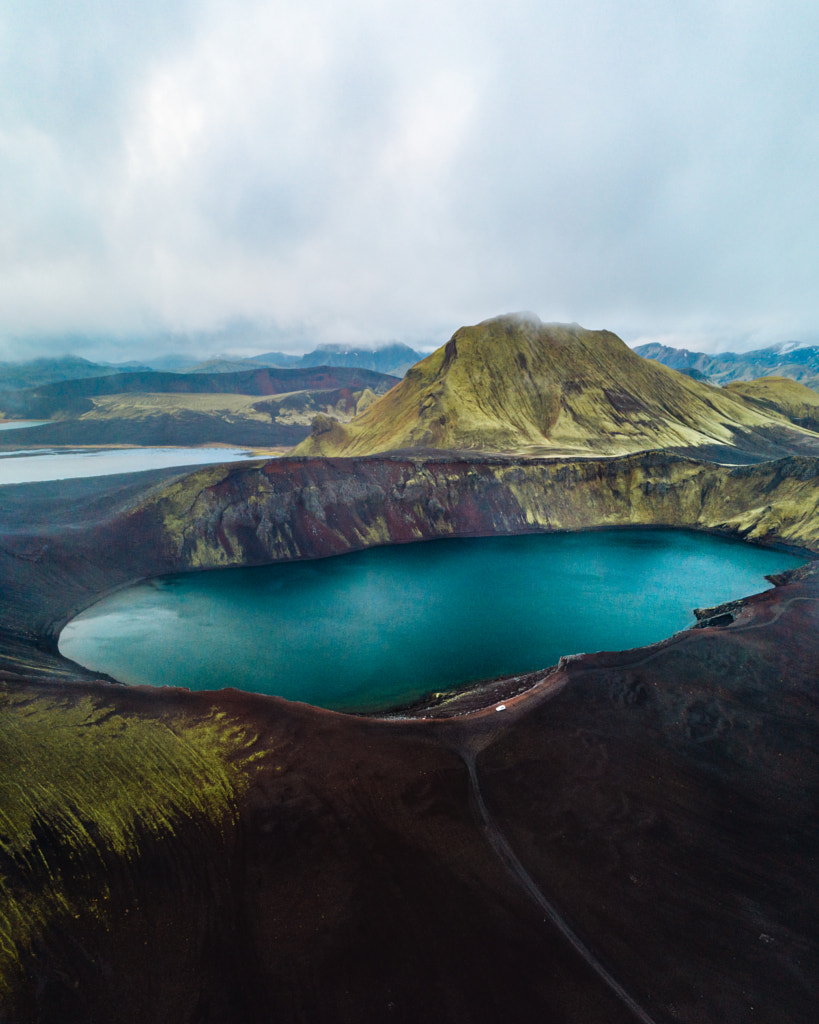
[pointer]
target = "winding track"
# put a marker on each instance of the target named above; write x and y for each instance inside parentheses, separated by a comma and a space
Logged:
(507, 855)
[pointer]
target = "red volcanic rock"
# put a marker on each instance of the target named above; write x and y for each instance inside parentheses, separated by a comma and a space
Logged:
(632, 839)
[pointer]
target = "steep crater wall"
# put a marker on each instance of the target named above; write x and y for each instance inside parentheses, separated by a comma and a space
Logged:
(291, 509)
(288, 509)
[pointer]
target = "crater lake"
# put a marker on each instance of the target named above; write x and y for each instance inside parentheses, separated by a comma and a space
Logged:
(383, 627)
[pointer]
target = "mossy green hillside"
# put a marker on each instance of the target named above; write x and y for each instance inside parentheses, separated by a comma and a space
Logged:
(84, 786)
(800, 404)
(514, 384)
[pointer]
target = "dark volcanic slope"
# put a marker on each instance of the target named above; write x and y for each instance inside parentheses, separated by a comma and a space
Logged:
(637, 842)
(633, 838)
(181, 427)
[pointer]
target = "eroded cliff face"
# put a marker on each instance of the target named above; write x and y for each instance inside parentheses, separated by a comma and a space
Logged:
(287, 509)
(292, 509)
(228, 856)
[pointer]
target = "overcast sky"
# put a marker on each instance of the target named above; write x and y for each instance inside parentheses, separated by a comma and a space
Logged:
(386, 169)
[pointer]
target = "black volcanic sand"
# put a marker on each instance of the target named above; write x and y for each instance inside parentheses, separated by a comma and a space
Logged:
(660, 801)
(634, 838)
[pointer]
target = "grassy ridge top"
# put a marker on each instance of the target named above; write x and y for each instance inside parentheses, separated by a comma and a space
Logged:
(781, 394)
(515, 384)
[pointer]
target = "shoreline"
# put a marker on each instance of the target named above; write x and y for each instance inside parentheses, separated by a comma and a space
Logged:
(633, 809)
(115, 522)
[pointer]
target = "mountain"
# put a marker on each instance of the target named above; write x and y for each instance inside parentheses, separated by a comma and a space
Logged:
(173, 363)
(514, 384)
(223, 365)
(283, 359)
(262, 407)
(787, 359)
(395, 358)
(191, 419)
(34, 372)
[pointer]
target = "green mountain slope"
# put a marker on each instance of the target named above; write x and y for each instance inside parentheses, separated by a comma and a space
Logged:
(514, 384)
(800, 404)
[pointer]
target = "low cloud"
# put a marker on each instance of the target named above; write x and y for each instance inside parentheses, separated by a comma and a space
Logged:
(375, 172)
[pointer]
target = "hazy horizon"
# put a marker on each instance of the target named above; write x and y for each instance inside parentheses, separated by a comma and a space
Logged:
(274, 176)
(204, 346)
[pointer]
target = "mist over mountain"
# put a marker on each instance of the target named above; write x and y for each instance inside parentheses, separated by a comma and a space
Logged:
(515, 384)
(34, 372)
(395, 358)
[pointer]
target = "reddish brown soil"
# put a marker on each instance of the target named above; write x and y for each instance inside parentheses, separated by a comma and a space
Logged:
(643, 825)
(633, 838)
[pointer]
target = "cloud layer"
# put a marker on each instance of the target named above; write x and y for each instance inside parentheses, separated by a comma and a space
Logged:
(376, 170)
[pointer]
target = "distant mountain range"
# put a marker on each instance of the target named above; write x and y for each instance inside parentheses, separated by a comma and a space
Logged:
(393, 359)
(32, 373)
(261, 406)
(787, 359)
(509, 384)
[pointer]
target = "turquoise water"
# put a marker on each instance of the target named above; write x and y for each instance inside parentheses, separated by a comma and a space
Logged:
(388, 625)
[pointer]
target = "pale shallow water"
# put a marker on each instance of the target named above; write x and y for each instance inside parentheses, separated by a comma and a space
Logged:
(20, 424)
(383, 627)
(65, 464)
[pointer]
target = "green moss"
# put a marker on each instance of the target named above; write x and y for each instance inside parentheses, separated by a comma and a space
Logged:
(513, 384)
(175, 502)
(81, 785)
(792, 399)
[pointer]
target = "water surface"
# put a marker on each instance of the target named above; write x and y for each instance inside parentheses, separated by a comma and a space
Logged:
(20, 424)
(388, 625)
(30, 466)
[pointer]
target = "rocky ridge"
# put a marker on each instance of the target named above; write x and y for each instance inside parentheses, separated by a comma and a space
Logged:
(787, 359)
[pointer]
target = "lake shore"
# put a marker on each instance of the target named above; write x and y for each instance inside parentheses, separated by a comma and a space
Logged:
(654, 803)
